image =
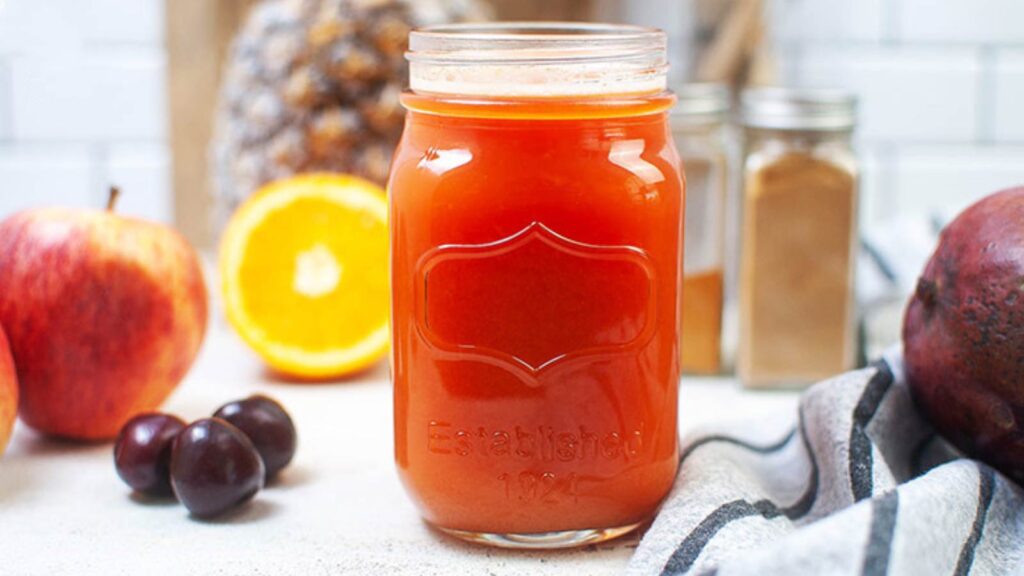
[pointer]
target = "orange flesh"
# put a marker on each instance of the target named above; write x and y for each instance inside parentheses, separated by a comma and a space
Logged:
(536, 260)
(311, 321)
(304, 265)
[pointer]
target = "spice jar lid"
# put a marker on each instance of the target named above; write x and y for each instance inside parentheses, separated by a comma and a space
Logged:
(701, 103)
(798, 109)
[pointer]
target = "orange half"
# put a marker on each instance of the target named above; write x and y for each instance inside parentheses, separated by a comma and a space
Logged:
(303, 268)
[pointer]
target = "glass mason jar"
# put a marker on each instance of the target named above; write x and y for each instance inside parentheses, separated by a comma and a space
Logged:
(699, 128)
(536, 249)
(799, 237)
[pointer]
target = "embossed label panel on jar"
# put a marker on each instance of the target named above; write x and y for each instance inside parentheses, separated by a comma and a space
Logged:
(535, 300)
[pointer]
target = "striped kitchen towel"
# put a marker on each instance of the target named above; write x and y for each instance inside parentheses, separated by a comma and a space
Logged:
(859, 484)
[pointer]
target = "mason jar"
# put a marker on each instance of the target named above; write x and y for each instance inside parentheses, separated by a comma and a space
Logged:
(536, 254)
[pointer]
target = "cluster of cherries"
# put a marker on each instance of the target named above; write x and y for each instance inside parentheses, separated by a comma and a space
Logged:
(213, 464)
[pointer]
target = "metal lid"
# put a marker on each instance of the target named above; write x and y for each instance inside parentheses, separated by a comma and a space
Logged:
(701, 103)
(798, 109)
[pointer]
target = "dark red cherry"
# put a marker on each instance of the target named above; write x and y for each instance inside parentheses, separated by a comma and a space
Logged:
(269, 427)
(142, 453)
(214, 467)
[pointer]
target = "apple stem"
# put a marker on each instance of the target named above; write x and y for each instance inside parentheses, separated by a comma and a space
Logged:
(115, 192)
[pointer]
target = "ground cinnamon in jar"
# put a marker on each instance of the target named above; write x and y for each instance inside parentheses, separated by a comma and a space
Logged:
(702, 322)
(797, 320)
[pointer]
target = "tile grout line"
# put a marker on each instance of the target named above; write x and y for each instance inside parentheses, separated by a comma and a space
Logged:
(890, 16)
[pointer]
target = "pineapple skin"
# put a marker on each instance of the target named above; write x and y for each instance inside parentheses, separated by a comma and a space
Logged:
(314, 85)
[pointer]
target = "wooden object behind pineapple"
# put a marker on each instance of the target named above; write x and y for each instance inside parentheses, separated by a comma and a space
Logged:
(738, 53)
(198, 34)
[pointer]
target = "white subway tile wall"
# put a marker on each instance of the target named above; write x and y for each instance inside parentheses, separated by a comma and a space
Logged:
(83, 105)
(904, 93)
(124, 21)
(100, 98)
(941, 85)
(967, 21)
(1008, 102)
(33, 27)
(943, 180)
(829, 20)
(5, 102)
(45, 174)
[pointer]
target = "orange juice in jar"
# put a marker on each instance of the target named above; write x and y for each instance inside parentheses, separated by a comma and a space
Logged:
(536, 250)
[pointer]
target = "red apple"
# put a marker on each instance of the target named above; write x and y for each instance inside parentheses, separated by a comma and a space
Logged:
(8, 392)
(104, 314)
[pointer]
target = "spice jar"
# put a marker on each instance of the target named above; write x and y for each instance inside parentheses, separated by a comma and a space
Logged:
(698, 127)
(796, 292)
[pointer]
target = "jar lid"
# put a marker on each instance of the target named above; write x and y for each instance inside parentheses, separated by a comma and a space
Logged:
(537, 59)
(798, 109)
(701, 103)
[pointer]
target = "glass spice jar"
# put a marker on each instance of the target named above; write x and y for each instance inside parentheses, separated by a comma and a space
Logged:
(799, 211)
(536, 256)
(699, 129)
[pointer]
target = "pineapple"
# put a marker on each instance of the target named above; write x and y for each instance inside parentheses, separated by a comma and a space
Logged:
(314, 85)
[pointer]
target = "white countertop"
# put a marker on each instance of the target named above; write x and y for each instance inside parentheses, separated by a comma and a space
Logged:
(338, 509)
